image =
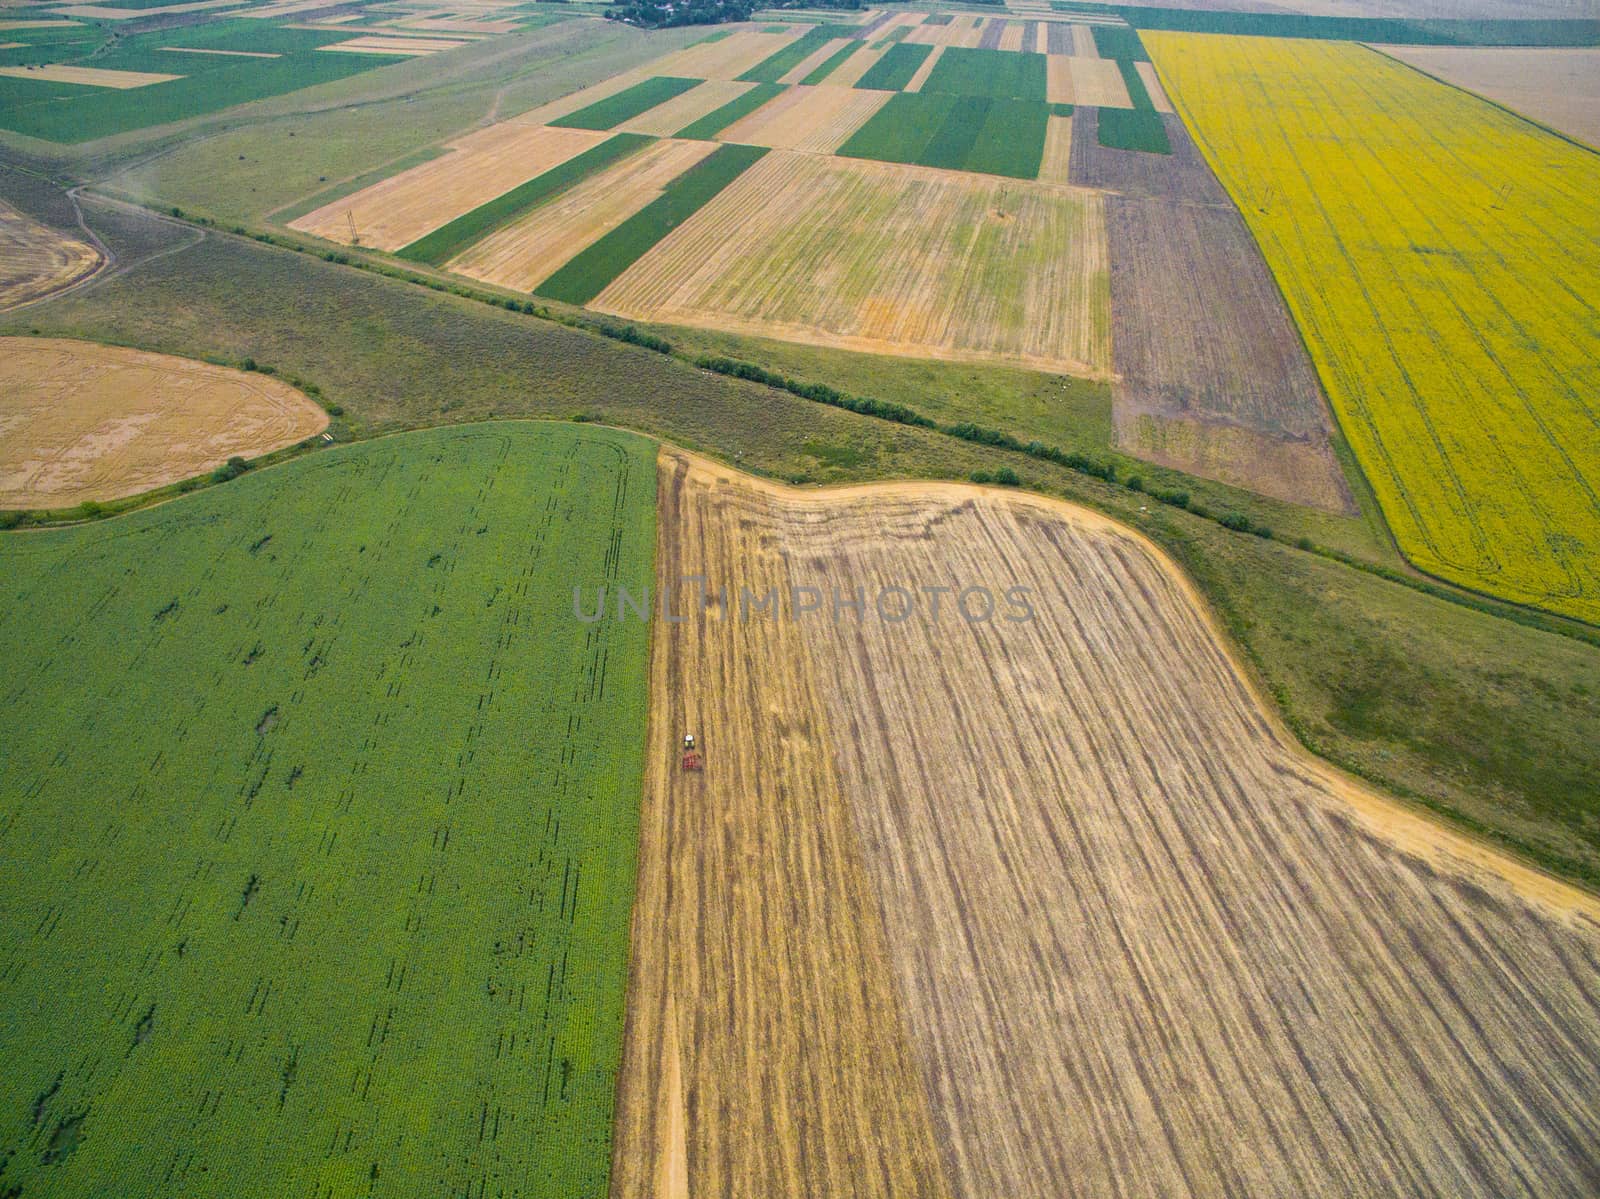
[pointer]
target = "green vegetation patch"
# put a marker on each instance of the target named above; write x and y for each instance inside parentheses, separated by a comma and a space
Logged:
(1133, 129)
(938, 18)
(897, 34)
(958, 133)
(718, 36)
(998, 73)
(894, 70)
(588, 274)
(715, 122)
(1120, 42)
(625, 105)
(775, 66)
(321, 820)
(449, 240)
(69, 113)
(1138, 94)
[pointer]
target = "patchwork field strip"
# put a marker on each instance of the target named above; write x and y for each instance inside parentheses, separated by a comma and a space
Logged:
(887, 259)
(1098, 82)
(595, 267)
(397, 211)
(816, 120)
(627, 104)
(89, 76)
(666, 119)
(89, 422)
(714, 122)
(1222, 967)
(524, 253)
(1442, 261)
(813, 61)
(914, 84)
(1058, 80)
(728, 58)
(849, 72)
(955, 132)
(35, 260)
(394, 45)
(1152, 87)
(546, 113)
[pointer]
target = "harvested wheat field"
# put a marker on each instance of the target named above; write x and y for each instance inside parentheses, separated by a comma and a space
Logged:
(527, 251)
(1098, 82)
(727, 58)
(1055, 165)
(36, 260)
(816, 120)
(1068, 876)
(849, 72)
(803, 68)
(490, 162)
(1152, 85)
(683, 110)
(1058, 79)
(80, 421)
(89, 76)
(379, 44)
(888, 259)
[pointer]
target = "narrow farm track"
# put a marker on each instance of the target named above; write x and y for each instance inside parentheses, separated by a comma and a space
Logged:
(1133, 943)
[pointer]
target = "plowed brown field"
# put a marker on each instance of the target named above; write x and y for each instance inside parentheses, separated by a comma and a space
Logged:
(1054, 896)
(35, 260)
(80, 421)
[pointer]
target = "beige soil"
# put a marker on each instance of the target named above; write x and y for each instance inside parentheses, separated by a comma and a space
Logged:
(89, 76)
(1098, 82)
(817, 120)
(725, 59)
(1057, 150)
(1060, 890)
(1556, 86)
(889, 259)
(35, 260)
(1152, 84)
(914, 84)
(397, 211)
(393, 45)
(1083, 43)
(1058, 79)
(101, 12)
(664, 120)
(224, 53)
(525, 253)
(80, 421)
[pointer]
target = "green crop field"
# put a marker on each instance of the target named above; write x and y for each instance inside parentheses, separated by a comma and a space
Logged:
(1133, 129)
(775, 66)
(74, 113)
(832, 63)
(625, 105)
(997, 73)
(449, 240)
(319, 812)
(716, 121)
(894, 70)
(587, 274)
(959, 133)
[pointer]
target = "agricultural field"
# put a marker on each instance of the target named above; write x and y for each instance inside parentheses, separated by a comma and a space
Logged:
(1557, 86)
(1190, 951)
(1442, 259)
(319, 820)
(36, 260)
(937, 264)
(813, 119)
(82, 422)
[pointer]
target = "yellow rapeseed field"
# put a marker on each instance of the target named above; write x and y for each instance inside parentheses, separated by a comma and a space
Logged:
(1442, 258)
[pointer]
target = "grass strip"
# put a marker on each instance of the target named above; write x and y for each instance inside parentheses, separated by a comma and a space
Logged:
(715, 122)
(625, 105)
(445, 242)
(593, 269)
(894, 70)
(833, 63)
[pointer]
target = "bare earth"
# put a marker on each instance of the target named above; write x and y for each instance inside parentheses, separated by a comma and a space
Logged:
(1053, 908)
(80, 421)
(888, 259)
(35, 260)
(1556, 86)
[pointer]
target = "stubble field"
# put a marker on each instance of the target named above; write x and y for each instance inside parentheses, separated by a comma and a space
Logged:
(1131, 943)
(890, 259)
(35, 260)
(81, 422)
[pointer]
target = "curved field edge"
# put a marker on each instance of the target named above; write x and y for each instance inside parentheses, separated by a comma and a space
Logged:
(1089, 814)
(1480, 718)
(319, 821)
(1457, 375)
